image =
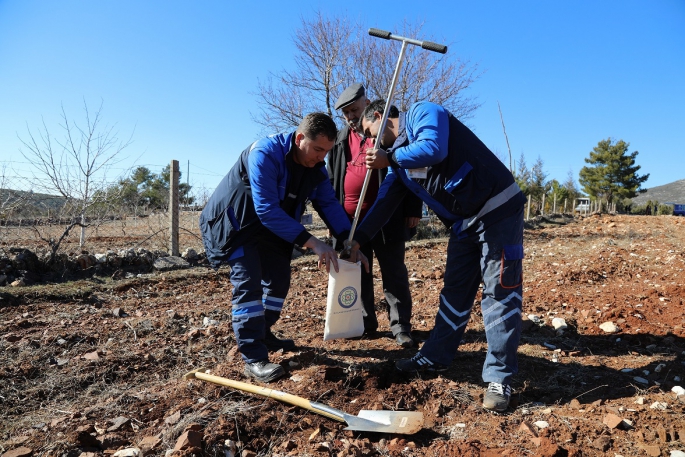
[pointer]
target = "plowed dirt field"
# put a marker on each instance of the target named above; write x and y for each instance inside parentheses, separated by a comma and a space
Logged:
(94, 366)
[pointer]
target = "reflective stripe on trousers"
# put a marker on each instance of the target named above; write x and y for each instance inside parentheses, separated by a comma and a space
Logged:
(261, 280)
(494, 257)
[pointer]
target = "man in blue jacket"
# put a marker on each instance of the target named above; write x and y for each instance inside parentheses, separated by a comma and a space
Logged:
(252, 222)
(436, 157)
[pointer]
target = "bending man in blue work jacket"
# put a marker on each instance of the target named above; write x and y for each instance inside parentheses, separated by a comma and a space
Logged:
(252, 222)
(436, 157)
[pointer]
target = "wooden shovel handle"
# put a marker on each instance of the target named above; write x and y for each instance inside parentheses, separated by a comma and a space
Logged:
(266, 392)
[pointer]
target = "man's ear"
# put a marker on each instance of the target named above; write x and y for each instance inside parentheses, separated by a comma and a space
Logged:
(298, 138)
(377, 115)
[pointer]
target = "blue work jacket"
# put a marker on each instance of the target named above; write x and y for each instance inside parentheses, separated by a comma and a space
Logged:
(257, 194)
(444, 163)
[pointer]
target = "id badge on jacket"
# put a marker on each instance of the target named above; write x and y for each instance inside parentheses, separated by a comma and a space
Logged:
(417, 173)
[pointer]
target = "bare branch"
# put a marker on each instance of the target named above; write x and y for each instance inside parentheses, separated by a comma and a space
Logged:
(76, 164)
(332, 53)
(511, 167)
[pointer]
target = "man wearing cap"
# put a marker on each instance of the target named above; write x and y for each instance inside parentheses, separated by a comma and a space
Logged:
(347, 170)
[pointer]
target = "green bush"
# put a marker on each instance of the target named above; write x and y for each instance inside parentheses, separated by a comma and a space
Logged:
(652, 208)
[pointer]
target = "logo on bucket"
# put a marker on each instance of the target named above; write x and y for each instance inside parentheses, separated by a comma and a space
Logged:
(347, 297)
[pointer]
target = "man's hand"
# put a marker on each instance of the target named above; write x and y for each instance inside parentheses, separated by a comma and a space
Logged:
(326, 253)
(352, 253)
(412, 222)
(377, 158)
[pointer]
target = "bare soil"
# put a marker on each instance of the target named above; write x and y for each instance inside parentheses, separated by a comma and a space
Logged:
(96, 365)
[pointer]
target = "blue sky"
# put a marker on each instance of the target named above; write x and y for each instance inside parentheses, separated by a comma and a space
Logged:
(180, 75)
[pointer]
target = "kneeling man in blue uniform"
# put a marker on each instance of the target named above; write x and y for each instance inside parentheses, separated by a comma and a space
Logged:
(252, 222)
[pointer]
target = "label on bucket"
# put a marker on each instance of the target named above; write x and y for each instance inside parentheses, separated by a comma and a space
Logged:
(347, 297)
(344, 308)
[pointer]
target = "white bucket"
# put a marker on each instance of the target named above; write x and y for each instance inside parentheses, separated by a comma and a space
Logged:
(344, 318)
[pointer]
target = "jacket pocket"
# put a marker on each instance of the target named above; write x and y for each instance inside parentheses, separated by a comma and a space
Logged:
(224, 226)
(511, 266)
(467, 191)
(458, 177)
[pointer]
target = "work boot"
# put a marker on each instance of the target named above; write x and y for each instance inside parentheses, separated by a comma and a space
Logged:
(263, 370)
(418, 363)
(497, 397)
(273, 343)
(404, 339)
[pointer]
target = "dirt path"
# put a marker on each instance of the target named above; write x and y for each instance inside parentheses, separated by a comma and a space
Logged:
(95, 366)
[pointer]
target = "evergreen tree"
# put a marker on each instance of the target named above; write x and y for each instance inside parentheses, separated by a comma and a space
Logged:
(612, 174)
(535, 182)
(538, 180)
(146, 190)
(571, 190)
(183, 188)
(522, 175)
(558, 193)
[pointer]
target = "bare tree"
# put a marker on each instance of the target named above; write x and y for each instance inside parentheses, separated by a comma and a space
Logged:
(321, 63)
(334, 52)
(440, 78)
(75, 165)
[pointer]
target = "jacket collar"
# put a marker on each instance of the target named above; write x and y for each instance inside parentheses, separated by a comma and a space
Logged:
(401, 139)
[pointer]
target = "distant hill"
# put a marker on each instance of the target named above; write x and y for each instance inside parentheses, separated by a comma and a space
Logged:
(41, 201)
(668, 193)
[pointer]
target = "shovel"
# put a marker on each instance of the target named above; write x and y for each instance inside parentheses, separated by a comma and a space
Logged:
(404, 422)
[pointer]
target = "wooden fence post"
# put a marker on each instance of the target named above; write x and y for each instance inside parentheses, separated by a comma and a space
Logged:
(173, 207)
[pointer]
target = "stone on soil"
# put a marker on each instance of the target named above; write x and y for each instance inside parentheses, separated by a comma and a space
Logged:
(190, 439)
(129, 452)
(149, 443)
(612, 421)
(19, 452)
(170, 263)
(118, 423)
(608, 327)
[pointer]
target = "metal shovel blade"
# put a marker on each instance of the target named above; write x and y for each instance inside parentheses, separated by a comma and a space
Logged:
(404, 422)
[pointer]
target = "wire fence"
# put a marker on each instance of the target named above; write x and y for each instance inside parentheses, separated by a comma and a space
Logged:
(150, 232)
(35, 216)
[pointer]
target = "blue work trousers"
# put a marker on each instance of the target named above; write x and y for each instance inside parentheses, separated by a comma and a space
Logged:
(395, 285)
(495, 257)
(260, 275)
